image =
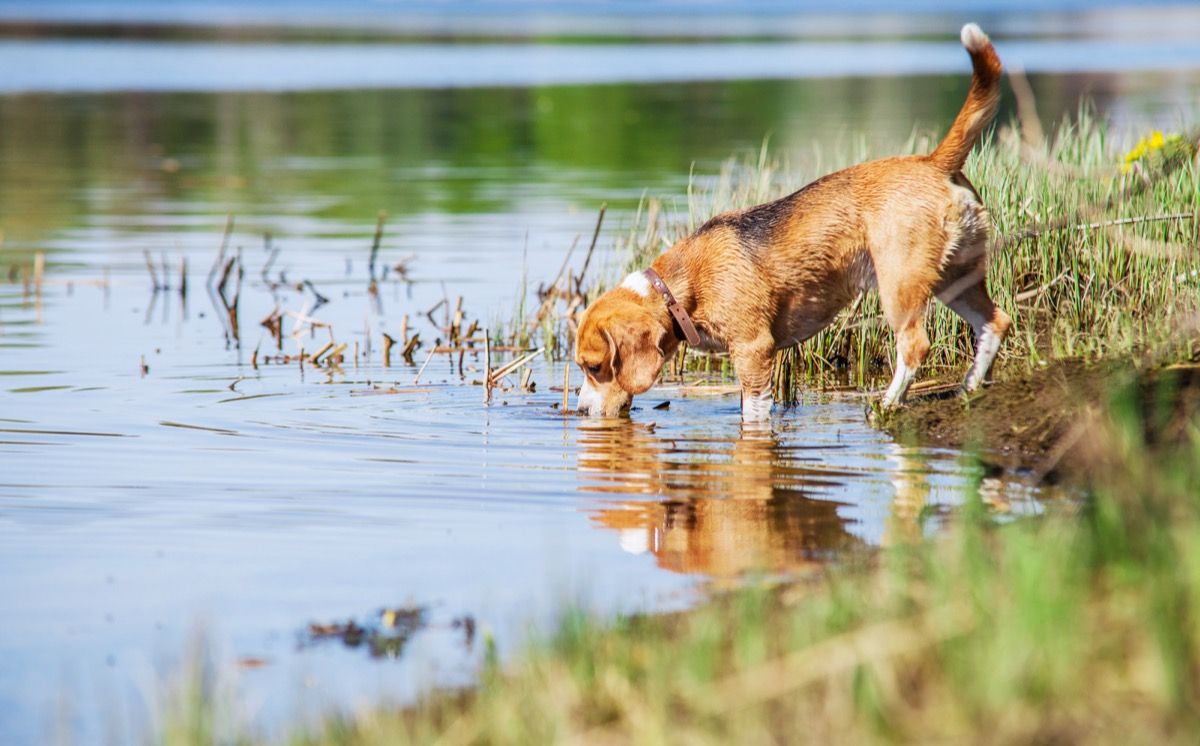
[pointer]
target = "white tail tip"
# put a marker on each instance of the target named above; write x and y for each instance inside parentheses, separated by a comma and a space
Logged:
(973, 38)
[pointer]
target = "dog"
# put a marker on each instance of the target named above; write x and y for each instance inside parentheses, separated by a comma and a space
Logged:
(758, 280)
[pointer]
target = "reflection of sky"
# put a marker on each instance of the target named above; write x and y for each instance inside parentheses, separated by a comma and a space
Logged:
(58, 65)
(640, 18)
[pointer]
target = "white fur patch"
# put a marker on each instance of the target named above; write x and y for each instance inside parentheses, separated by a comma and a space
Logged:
(900, 382)
(638, 283)
(757, 407)
(973, 37)
(985, 353)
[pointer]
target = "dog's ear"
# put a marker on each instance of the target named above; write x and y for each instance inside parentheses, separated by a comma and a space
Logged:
(636, 354)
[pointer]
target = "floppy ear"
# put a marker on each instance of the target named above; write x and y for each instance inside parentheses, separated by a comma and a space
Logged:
(636, 355)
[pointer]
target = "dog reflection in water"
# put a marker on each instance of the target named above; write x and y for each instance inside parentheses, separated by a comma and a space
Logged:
(730, 506)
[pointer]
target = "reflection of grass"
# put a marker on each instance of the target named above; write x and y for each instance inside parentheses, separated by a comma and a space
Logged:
(1090, 259)
(1080, 626)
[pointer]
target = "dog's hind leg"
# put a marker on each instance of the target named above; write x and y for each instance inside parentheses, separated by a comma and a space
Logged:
(989, 323)
(912, 345)
(904, 294)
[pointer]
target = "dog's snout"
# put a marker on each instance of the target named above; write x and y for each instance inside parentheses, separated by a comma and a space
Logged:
(605, 400)
(589, 401)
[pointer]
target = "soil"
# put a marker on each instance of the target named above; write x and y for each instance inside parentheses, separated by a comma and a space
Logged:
(1037, 422)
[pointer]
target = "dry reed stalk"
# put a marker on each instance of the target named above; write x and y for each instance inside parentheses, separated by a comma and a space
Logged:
(387, 350)
(487, 366)
(220, 260)
(566, 385)
(525, 376)
(39, 271)
(495, 348)
(315, 358)
(336, 355)
(225, 277)
(375, 243)
(588, 258)
(1031, 124)
(153, 274)
(509, 367)
(1027, 294)
(411, 347)
(417, 378)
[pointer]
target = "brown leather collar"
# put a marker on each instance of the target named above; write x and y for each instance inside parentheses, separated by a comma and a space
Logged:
(682, 320)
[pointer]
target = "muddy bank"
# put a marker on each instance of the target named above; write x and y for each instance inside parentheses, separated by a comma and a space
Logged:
(1041, 422)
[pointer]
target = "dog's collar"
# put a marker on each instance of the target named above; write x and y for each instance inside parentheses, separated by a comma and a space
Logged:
(683, 322)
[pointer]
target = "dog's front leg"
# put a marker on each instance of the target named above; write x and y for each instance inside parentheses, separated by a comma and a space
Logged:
(755, 367)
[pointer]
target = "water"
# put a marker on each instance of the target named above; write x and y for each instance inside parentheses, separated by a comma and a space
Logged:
(141, 504)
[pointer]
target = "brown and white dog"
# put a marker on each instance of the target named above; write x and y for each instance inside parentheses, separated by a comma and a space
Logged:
(755, 281)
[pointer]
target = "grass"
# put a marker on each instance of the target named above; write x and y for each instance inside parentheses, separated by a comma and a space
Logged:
(1077, 281)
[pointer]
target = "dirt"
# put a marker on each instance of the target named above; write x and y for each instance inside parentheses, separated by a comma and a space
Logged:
(1038, 422)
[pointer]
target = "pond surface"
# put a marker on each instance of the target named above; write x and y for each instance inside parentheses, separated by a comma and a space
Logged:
(155, 483)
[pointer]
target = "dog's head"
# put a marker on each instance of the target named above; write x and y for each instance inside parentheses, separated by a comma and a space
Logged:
(621, 348)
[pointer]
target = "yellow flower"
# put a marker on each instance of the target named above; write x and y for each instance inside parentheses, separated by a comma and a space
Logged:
(1149, 145)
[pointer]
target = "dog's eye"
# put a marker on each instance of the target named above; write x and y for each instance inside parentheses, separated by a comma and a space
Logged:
(593, 369)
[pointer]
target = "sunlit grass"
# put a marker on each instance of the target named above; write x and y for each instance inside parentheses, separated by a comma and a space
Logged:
(1094, 252)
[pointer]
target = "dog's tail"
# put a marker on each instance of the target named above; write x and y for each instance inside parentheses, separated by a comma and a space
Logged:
(982, 101)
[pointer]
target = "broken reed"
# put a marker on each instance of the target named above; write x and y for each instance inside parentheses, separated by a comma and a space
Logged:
(1089, 261)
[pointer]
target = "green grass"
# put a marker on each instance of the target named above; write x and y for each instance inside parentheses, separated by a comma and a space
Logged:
(1073, 288)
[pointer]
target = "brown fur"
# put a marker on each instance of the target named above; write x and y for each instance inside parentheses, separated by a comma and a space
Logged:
(771, 276)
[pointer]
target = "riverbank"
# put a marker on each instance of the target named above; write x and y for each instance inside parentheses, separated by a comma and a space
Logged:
(1036, 423)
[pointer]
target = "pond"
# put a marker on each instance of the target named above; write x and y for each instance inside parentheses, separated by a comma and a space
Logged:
(163, 475)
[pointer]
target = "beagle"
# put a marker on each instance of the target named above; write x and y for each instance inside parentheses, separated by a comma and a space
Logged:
(758, 280)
